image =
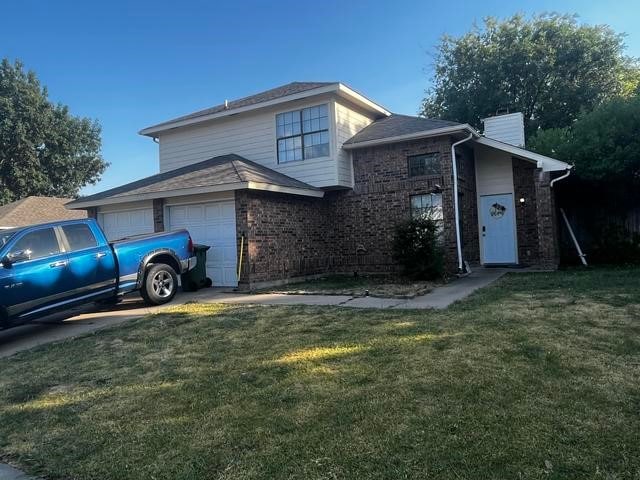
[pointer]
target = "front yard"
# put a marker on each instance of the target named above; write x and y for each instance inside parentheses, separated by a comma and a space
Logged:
(536, 377)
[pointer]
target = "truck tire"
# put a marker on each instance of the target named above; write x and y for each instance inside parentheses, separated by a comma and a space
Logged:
(160, 284)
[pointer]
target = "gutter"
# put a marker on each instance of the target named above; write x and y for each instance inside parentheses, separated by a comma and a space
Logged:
(456, 207)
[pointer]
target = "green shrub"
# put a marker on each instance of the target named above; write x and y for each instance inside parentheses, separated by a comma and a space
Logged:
(418, 248)
(615, 245)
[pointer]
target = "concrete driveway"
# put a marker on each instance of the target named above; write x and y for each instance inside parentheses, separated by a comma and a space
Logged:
(68, 324)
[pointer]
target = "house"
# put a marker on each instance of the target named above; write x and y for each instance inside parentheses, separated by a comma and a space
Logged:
(32, 210)
(311, 178)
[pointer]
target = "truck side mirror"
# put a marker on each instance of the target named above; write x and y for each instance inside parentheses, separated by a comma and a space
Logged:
(6, 262)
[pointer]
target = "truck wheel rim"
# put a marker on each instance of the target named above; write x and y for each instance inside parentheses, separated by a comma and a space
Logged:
(162, 284)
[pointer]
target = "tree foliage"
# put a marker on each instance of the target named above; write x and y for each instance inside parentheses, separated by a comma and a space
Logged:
(549, 67)
(44, 150)
(604, 144)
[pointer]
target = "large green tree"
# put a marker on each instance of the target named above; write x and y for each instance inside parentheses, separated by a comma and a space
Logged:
(44, 150)
(549, 67)
(604, 144)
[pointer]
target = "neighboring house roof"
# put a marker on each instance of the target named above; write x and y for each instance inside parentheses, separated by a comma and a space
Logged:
(398, 125)
(33, 210)
(218, 174)
(284, 93)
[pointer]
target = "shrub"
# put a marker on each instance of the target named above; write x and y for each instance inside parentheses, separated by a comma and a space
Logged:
(418, 248)
(615, 245)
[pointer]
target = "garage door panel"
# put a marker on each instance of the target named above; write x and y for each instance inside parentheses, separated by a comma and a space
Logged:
(211, 224)
(126, 223)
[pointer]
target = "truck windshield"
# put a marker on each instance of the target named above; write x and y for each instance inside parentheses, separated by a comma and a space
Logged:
(5, 236)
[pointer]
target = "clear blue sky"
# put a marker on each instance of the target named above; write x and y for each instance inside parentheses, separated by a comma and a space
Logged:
(131, 64)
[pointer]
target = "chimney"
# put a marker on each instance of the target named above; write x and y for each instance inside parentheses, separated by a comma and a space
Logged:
(507, 128)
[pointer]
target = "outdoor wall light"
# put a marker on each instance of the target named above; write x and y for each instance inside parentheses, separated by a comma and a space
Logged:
(521, 200)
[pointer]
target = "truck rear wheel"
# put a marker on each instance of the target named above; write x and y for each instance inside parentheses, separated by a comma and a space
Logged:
(160, 284)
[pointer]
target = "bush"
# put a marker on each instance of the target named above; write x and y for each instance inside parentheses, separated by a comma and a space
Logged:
(418, 248)
(614, 245)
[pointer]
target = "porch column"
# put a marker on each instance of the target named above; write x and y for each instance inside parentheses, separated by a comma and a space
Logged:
(546, 220)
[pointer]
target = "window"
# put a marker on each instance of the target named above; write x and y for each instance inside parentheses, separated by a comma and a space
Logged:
(303, 134)
(38, 244)
(429, 205)
(428, 164)
(5, 236)
(79, 236)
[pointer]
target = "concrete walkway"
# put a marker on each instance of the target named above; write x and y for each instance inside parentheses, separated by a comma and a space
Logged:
(439, 298)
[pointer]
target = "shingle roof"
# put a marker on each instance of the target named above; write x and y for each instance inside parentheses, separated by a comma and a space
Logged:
(217, 171)
(33, 210)
(397, 125)
(272, 94)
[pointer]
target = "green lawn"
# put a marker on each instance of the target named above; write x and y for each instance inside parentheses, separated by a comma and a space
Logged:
(536, 377)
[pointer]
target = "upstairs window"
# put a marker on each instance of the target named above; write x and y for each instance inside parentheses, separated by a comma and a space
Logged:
(427, 164)
(303, 134)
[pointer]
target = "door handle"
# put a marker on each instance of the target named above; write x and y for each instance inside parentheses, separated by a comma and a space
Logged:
(61, 263)
(101, 255)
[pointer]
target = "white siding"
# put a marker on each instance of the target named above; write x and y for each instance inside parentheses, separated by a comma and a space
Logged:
(349, 121)
(494, 171)
(253, 136)
(506, 128)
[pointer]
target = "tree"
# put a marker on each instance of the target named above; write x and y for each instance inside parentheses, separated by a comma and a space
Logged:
(604, 144)
(44, 150)
(549, 67)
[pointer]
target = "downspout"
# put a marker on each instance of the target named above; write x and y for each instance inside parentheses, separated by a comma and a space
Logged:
(456, 208)
(562, 177)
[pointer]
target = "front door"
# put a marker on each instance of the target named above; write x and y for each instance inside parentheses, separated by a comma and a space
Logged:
(497, 217)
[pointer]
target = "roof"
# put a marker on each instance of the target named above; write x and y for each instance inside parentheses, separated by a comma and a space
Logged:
(223, 173)
(398, 126)
(547, 164)
(33, 210)
(288, 92)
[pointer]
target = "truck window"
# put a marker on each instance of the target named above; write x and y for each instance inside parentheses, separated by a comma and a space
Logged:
(79, 236)
(37, 244)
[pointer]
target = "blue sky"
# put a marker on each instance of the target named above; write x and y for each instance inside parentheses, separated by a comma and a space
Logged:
(131, 64)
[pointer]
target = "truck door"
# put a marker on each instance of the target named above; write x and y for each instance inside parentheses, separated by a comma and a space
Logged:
(36, 277)
(91, 265)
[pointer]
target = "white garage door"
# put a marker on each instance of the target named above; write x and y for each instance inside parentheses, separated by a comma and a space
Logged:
(212, 224)
(126, 223)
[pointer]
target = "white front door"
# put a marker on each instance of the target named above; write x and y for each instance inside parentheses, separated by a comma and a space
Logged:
(212, 224)
(497, 227)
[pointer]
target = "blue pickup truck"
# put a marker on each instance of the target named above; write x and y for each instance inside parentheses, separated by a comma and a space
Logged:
(51, 267)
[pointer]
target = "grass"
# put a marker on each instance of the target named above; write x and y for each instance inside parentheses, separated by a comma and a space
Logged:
(377, 286)
(537, 377)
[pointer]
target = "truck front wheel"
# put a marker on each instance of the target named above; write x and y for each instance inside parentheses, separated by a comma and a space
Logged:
(160, 284)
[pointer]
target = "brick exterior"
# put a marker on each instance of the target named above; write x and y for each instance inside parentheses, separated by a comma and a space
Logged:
(158, 215)
(526, 213)
(352, 230)
(546, 220)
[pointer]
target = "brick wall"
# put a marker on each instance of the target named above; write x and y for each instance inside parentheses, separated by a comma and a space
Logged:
(546, 220)
(526, 213)
(158, 215)
(286, 236)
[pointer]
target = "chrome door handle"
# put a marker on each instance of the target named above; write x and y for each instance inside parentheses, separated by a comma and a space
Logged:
(101, 255)
(61, 263)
